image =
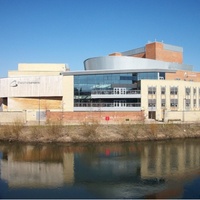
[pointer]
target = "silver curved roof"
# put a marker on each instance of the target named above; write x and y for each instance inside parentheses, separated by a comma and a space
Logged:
(127, 62)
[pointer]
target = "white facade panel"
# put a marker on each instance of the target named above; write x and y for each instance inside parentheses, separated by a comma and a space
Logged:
(31, 86)
(41, 67)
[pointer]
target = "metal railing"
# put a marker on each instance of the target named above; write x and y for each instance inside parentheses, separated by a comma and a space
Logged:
(106, 92)
(107, 105)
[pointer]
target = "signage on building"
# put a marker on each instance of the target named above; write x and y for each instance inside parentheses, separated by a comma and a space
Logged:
(16, 83)
(107, 118)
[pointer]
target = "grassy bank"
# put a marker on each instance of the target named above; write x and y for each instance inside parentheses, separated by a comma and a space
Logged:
(94, 132)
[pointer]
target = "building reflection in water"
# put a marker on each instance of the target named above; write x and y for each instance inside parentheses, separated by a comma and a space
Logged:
(103, 168)
(33, 166)
(171, 159)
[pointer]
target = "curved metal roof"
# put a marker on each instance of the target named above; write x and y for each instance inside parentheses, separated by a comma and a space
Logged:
(134, 63)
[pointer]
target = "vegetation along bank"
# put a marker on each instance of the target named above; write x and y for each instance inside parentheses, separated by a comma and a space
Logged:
(94, 132)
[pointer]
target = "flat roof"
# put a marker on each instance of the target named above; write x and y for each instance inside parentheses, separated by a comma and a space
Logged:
(69, 73)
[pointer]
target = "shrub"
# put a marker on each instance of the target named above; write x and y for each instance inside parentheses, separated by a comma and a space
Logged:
(12, 131)
(54, 129)
(152, 131)
(90, 129)
(130, 131)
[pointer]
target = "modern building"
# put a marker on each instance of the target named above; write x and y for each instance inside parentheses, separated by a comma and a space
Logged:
(150, 82)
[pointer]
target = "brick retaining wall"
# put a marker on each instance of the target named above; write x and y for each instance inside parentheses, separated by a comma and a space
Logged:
(80, 117)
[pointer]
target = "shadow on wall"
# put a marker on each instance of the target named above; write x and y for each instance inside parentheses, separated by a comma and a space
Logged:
(1, 104)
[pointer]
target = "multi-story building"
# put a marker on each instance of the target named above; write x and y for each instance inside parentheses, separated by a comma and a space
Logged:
(151, 81)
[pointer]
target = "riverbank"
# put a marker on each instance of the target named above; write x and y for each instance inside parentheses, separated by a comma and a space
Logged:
(94, 132)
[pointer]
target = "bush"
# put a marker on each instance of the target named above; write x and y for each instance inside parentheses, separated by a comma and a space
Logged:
(130, 131)
(54, 129)
(12, 131)
(90, 129)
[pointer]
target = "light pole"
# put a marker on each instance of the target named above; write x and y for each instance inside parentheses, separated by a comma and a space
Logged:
(39, 102)
(184, 109)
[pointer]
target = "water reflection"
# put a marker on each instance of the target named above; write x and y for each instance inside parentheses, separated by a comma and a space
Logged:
(36, 166)
(169, 160)
(125, 170)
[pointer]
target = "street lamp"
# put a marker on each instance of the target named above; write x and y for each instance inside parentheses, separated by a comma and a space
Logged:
(39, 101)
(184, 109)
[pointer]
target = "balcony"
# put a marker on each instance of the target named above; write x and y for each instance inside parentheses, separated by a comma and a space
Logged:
(95, 94)
(115, 106)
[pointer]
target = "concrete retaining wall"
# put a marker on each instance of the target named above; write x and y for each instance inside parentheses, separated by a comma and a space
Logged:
(10, 117)
(186, 116)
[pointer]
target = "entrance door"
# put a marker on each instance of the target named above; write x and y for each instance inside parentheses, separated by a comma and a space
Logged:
(152, 114)
(119, 90)
(119, 103)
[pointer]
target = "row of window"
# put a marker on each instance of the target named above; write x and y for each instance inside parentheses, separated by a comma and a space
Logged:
(173, 90)
(173, 102)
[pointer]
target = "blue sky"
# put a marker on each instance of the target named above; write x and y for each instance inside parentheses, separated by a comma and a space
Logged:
(70, 31)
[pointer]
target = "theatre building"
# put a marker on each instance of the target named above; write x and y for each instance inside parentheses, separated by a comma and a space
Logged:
(147, 83)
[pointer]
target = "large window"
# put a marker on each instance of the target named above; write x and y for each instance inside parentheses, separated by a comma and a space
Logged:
(162, 75)
(151, 102)
(174, 102)
(85, 85)
(174, 90)
(151, 90)
(147, 75)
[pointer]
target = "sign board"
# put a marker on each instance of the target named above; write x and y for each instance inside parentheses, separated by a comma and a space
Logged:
(107, 118)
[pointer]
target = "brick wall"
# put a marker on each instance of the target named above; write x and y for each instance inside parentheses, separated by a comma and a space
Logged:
(80, 117)
(183, 75)
(155, 51)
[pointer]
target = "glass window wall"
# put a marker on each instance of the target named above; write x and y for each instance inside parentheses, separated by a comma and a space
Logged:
(84, 85)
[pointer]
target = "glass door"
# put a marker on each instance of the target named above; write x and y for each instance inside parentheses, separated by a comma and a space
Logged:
(119, 103)
(119, 90)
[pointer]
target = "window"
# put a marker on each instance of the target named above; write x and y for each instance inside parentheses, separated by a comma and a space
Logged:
(174, 102)
(163, 102)
(187, 91)
(151, 90)
(194, 91)
(152, 103)
(162, 75)
(162, 90)
(147, 75)
(187, 103)
(174, 90)
(195, 102)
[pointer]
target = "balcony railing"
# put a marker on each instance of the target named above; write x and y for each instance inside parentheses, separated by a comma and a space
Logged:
(107, 105)
(111, 92)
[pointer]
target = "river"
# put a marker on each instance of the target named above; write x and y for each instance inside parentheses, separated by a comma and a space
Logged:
(153, 169)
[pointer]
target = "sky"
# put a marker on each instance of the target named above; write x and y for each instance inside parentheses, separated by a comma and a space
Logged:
(70, 31)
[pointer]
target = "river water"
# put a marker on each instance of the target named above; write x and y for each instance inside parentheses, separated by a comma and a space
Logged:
(163, 169)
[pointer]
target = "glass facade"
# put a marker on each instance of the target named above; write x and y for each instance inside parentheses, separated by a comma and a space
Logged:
(85, 85)
(114, 83)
